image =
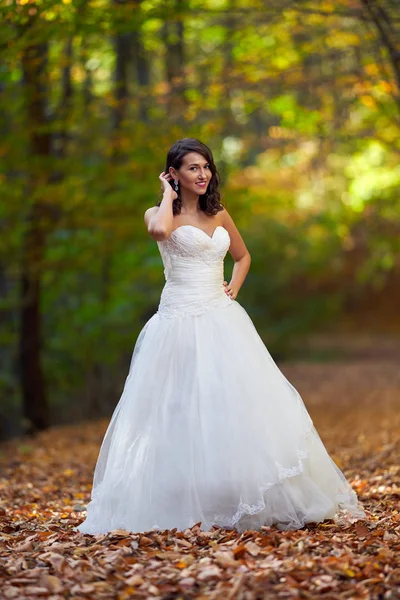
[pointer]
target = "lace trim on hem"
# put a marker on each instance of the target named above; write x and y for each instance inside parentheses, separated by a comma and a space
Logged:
(283, 473)
(343, 514)
(302, 455)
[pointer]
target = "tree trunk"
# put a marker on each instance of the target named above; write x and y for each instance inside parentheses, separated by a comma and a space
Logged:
(173, 35)
(64, 107)
(122, 46)
(389, 37)
(35, 405)
(142, 72)
(96, 392)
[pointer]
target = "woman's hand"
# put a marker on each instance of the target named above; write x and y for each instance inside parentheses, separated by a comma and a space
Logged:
(230, 290)
(165, 179)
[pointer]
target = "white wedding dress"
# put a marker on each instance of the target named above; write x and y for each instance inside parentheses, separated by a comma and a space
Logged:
(208, 429)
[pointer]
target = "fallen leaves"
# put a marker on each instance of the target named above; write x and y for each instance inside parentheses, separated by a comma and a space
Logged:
(46, 483)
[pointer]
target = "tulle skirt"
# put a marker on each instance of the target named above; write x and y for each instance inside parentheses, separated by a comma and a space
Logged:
(208, 430)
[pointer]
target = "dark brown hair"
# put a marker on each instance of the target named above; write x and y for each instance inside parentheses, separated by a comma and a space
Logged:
(210, 201)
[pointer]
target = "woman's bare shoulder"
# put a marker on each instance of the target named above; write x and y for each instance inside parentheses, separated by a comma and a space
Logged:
(225, 216)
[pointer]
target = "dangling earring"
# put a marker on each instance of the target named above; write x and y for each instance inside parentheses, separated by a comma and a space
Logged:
(176, 184)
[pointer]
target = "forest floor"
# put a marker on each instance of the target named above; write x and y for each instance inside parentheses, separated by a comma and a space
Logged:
(45, 483)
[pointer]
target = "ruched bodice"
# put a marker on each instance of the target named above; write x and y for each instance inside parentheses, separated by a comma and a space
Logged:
(194, 271)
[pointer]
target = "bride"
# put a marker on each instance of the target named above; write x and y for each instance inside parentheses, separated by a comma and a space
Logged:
(208, 430)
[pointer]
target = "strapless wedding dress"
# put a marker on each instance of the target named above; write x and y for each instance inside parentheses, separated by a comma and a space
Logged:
(208, 429)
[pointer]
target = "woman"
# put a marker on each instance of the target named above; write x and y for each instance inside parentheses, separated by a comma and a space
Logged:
(208, 430)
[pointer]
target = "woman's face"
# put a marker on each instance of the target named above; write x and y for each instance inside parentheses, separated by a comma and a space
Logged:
(194, 173)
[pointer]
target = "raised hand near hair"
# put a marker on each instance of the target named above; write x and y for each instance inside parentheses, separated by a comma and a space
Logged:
(166, 187)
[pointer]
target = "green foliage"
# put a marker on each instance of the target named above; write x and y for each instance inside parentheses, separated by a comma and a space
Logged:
(303, 119)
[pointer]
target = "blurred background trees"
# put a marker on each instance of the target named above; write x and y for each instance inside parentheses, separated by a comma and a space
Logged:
(299, 101)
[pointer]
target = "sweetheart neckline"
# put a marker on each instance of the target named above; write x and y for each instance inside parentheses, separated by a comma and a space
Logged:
(199, 228)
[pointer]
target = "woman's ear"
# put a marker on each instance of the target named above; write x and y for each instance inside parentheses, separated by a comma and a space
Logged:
(172, 172)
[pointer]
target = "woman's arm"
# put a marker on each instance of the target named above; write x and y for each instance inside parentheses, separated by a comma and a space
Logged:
(158, 219)
(240, 255)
